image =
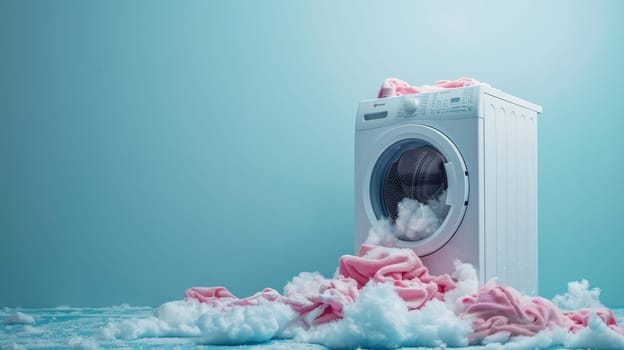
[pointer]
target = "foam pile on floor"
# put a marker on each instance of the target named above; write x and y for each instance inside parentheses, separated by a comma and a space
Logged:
(384, 298)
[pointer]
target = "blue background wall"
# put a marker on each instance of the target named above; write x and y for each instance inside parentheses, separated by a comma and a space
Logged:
(146, 147)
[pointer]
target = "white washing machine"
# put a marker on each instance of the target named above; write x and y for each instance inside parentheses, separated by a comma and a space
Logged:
(474, 151)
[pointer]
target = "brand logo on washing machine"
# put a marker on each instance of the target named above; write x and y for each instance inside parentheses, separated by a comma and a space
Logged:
(379, 104)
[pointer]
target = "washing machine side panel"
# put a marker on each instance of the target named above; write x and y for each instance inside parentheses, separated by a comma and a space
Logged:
(510, 193)
(481, 203)
(529, 120)
(490, 203)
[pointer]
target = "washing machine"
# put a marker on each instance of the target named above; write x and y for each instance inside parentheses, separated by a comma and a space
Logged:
(469, 153)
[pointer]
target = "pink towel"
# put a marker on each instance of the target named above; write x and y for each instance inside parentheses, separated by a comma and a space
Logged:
(493, 309)
(396, 87)
(402, 268)
(322, 305)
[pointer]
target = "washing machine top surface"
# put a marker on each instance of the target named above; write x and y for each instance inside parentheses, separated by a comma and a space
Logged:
(440, 105)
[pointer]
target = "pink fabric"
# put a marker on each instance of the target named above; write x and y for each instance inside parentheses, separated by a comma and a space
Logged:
(400, 267)
(221, 297)
(327, 304)
(320, 306)
(497, 309)
(580, 318)
(209, 294)
(493, 309)
(396, 87)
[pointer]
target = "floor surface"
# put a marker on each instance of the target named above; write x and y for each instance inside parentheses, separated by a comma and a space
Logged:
(80, 328)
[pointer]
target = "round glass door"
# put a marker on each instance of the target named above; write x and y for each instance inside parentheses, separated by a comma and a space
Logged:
(416, 187)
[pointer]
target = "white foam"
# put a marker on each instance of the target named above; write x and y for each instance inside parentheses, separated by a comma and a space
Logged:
(246, 324)
(467, 284)
(175, 318)
(416, 220)
(19, 318)
(597, 335)
(379, 318)
(382, 233)
(234, 325)
(305, 283)
(578, 296)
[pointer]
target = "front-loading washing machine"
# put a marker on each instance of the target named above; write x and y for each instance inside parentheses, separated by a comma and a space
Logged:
(471, 151)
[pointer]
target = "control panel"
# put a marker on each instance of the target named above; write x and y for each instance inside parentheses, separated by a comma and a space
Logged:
(437, 103)
(442, 104)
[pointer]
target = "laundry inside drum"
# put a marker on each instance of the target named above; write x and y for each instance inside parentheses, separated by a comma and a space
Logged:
(414, 193)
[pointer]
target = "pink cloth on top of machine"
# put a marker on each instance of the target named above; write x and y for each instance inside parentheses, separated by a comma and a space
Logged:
(396, 87)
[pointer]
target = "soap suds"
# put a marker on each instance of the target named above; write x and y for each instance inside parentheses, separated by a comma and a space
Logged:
(578, 296)
(379, 318)
(189, 318)
(19, 318)
(415, 221)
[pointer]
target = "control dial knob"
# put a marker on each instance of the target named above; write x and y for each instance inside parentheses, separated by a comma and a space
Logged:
(410, 104)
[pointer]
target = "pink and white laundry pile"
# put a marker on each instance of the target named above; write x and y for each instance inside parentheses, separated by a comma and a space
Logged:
(493, 312)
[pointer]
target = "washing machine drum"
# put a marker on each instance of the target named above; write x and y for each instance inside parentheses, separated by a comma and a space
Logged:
(418, 174)
(409, 187)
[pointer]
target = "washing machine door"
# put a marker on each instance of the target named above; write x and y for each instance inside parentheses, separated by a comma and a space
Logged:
(419, 182)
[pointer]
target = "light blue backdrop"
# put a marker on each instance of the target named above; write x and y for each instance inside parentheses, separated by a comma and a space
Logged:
(146, 147)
